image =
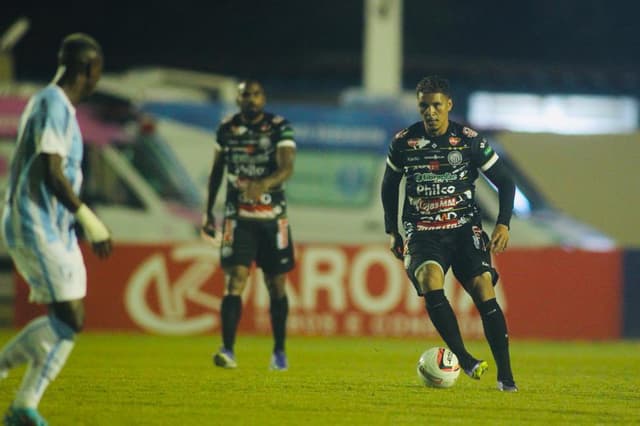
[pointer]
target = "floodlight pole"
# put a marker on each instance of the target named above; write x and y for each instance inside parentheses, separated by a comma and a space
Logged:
(8, 39)
(382, 47)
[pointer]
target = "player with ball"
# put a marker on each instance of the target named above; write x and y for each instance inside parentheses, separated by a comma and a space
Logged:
(440, 160)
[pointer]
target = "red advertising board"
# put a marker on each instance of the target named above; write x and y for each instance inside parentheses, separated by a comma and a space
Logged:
(346, 290)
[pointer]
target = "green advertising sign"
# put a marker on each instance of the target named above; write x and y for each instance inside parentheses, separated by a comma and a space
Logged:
(337, 179)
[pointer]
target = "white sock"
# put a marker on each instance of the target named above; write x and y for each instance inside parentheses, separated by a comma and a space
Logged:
(47, 343)
(16, 351)
(41, 372)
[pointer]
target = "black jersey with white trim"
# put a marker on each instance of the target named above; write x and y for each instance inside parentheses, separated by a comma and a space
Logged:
(249, 152)
(440, 172)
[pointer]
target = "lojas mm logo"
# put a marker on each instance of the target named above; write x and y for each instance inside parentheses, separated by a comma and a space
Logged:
(179, 306)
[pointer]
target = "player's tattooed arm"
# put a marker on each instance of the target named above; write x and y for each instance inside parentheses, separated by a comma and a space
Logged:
(285, 156)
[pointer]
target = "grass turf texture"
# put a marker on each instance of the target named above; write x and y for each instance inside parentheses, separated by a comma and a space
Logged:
(129, 379)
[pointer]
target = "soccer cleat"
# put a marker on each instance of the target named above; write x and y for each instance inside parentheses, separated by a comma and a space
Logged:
(279, 361)
(478, 369)
(225, 359)
(23, 417)
(507, 386)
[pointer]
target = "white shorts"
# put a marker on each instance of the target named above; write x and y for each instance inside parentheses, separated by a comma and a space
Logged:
(53, 272)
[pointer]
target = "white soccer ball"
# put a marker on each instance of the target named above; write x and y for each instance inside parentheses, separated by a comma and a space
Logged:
(438, 368)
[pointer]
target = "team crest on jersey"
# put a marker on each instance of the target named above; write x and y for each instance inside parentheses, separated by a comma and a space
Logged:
(454, 140)
(454, 158)
(238, 130)
(264, 142)
(418, 143)
(470, 133)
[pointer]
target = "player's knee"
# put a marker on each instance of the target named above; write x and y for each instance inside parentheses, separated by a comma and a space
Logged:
(481, 288)
(430, 277)
(276, 285)
(237, 280)
(72, 315)
(75, 320)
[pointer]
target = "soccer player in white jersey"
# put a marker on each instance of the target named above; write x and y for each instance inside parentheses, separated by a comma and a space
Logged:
(40, 209)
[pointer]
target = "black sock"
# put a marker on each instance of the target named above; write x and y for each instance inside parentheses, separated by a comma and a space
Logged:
(495, 330)
(444, 320)
(279, 310)
(230, 313)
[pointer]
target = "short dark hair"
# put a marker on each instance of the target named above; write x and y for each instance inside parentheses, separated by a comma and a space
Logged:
(248, 82)
(433, 84)
(77, 51)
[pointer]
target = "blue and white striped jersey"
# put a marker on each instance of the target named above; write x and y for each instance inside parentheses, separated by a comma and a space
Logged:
(33, 216)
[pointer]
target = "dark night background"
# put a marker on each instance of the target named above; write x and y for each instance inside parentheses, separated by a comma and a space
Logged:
(545, 45)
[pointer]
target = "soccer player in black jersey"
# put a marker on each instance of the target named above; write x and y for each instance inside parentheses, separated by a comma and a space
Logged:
(258, 150)
(440, 160)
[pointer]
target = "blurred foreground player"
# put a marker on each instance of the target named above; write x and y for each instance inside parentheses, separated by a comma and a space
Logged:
(258, 150)
(40, 209)
(440, 161)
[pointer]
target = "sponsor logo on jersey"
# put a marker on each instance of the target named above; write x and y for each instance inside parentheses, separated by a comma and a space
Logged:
(477, 238)
(227, 235)
(255, 211)
(401, 133)
(282, 239)
(238, 130)
(441, 224)
(429, 206)
(470, 133)
(226, 251)
(418, 143)
(454, 140)
(251, 170)
(454, 158)
(435, 189)
(432, 177)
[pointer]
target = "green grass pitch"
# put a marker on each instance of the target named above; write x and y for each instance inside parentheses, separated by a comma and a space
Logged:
(136, 379)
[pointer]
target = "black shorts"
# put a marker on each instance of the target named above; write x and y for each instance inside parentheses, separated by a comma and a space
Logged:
(465, 249)
(267, 242)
